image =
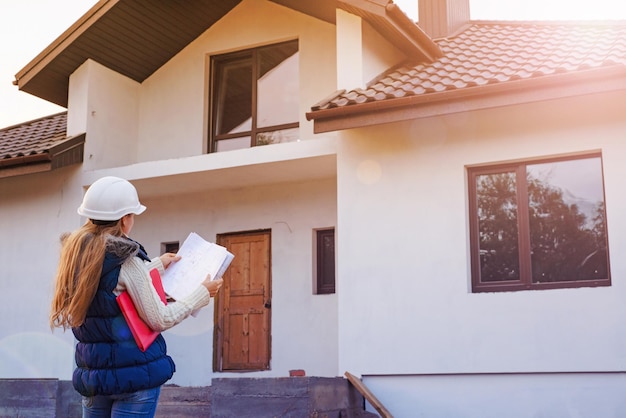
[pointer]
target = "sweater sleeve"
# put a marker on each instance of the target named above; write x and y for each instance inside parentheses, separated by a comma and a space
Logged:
(155, 263)
(135, 278)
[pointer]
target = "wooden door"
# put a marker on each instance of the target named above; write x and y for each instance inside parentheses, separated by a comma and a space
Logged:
(243, 306)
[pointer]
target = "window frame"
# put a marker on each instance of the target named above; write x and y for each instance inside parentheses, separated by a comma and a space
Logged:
(324, 285)
(170, 247)
(525, 282)
(215, 88)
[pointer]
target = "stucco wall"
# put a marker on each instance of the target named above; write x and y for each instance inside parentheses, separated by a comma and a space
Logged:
(174, 100)
(34, 210)
(405, 301)
(404, 316)
(304, 325)
(105, 105)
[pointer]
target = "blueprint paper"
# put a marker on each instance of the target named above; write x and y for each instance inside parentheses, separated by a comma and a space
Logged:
(198, 258)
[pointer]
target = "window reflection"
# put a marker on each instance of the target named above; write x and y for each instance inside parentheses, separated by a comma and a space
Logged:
(234, 110)
(278, 86)
(497, 226)
(540, 223)
(255, 97)
(566, 218)
(277, 137)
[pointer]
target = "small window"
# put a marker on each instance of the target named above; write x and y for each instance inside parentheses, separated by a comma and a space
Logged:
(539, 224)
(255, 97)
(170, 247)
(325, 261)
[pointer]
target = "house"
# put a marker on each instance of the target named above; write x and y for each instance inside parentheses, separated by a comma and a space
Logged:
(436, 208)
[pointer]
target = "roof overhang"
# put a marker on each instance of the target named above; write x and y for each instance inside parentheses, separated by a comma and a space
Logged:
(132, 37)
(66, 152)
(137, 37)
(469, 99)
(383, 15)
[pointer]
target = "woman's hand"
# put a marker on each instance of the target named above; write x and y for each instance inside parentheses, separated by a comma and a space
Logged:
(213, 286)
(168, 258)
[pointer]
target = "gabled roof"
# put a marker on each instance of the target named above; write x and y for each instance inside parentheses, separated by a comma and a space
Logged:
(132, 37)
(137, 37)
(486, 59)
(38, 145)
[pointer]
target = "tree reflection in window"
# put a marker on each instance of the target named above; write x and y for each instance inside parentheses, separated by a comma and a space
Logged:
(540, 224)
(497, 217)
(566, 217)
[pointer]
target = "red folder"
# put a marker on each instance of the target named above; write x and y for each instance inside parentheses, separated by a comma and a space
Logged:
(142, 333)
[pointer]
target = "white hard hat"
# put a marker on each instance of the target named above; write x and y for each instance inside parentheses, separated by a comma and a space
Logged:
(109, 199)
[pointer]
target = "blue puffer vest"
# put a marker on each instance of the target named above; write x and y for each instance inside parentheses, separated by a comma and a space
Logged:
(107, 358)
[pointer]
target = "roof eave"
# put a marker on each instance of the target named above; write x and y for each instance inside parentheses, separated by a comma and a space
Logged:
(422, 44)
(130, 37)
(24, 77)
(393, 24)
(469, 99)
(67, 152)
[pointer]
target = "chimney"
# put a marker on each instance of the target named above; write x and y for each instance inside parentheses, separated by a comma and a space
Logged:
(442, 18)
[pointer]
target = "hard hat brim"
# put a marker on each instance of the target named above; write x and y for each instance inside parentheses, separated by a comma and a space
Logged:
(108, 216)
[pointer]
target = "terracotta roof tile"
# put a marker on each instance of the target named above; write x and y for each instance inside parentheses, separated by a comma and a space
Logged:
(33, 137)
(498, 52)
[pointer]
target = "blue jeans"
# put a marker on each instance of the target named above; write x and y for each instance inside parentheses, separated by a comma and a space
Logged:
(142, 403)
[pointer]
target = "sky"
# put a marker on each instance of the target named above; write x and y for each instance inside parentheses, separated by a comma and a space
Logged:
(27, 27)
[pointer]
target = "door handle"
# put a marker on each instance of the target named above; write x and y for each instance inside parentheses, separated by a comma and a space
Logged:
(268, 304)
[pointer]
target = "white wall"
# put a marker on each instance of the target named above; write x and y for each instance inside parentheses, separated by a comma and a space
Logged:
(37, 209)
(34, 211)
(164, 118)
(379, 54)
(589, 395)
(104, 104)
(174, 104)
(405, 301)
(304, 326)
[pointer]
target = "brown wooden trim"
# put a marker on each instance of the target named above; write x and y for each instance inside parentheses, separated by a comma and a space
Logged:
(67, 152)
(525, 281)
(257, 131)
(371, 398)
(25, 160)
(523, 226)
(58, 46)
(21, 170)
(468, 99)
(423, 43)
(324, 285)
(216, 83)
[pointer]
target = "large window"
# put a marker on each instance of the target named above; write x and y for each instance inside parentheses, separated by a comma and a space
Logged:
(538, 225)
(255, 97)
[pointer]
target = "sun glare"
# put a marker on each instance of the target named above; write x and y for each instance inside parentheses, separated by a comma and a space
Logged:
(535, 9)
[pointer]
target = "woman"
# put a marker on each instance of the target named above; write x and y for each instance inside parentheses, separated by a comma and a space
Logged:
(98, 262)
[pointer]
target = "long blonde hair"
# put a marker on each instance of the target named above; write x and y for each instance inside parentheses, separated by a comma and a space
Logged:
(78, 274)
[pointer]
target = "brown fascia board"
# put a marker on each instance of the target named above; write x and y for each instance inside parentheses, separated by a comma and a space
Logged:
(25, 160)
(44, 160)
(385, 16)
(424, 43)
(393, 24)
(26, 74)
(469, 99)
(21, 170)
(68, 144)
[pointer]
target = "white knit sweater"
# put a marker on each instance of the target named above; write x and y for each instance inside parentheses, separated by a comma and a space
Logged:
(135, 278)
